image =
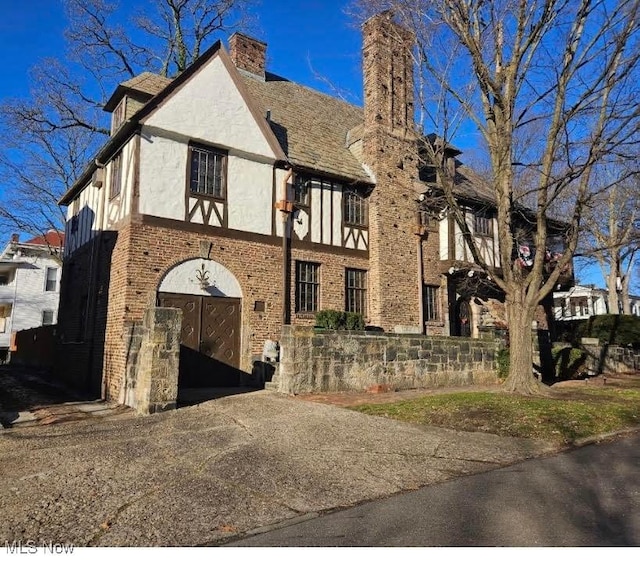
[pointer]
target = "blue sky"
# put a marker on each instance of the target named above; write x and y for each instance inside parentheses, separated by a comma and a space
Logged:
(306, 40)
(298, 46)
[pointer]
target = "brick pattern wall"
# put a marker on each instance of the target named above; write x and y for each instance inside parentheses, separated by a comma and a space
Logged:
(248, 53)
(314, 361)
(332, 281)
(390, 149)
(143, 255)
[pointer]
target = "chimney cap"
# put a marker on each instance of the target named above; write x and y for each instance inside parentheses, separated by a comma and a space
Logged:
(15, 237)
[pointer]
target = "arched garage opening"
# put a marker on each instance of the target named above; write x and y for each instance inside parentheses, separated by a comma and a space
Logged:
(210, 298)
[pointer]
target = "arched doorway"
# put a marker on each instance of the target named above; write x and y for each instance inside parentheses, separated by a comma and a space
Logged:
(463, 318)
(210, 298)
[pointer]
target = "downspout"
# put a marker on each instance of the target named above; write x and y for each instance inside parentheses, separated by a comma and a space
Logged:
(92, 299)
(420, 283)
(420, 232)
(286, 207)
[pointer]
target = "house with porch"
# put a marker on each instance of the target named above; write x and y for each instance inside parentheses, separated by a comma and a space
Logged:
(250, 202)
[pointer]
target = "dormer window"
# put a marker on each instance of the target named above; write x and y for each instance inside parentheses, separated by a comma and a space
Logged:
(117, 117)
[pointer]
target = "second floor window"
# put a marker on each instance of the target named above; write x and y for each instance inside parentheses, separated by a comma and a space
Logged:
(51, 283)
(301, 190)
(115, 184)
(208, 171)
(483, 224)
(355, 209)
(307, 287)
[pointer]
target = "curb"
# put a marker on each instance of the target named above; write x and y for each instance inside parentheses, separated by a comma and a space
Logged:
(604, 436)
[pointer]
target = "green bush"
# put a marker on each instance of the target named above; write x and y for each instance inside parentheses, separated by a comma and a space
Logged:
(339, 320)
(623, 330)
(330, 319)
(568, 362)
(502, 360)
(354, 321)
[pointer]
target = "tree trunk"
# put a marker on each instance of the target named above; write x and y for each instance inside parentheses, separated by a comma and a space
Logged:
(521, 378)
(612, 287)
(626, 301)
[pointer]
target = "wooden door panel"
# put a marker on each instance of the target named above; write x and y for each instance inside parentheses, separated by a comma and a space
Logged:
(209, 340)
(220, 337)
(191, 306)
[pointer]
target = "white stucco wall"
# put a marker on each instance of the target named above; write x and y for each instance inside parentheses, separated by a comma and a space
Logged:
(209, 107)
(249, 195)
(183, 278)
(163, 184)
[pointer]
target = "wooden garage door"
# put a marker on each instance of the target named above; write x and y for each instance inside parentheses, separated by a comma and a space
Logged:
(210, 339)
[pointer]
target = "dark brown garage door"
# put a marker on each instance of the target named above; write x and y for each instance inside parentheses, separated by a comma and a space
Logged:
(210, 339)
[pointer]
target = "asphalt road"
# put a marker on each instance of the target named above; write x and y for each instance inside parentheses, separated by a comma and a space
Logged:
(586, 497)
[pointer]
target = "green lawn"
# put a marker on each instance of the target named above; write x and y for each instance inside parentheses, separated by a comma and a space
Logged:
(566, 417)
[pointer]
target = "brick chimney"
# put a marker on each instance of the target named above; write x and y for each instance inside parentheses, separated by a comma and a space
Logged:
(390, 150)
(248, 53)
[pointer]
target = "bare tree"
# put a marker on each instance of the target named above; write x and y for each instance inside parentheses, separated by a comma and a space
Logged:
(552, 87)
(612, 232)
(48, 138)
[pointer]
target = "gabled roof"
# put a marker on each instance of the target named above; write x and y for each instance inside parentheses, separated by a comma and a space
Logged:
(311, 127)
(146, 83)
(52, 238)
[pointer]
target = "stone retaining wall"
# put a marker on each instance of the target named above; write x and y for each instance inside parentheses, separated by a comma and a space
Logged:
(320, 361)
(605, 358)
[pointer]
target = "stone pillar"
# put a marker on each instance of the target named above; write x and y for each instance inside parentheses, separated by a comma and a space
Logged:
(156, 382)
(390, 150)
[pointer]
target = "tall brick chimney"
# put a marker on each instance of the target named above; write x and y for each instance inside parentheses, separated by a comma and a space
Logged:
(390, 150)
(248, 53)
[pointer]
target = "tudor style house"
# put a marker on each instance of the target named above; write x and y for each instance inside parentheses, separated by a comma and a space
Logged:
(250, 202)
(29, 285)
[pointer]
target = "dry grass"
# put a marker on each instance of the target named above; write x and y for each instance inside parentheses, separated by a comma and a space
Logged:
(569, 414)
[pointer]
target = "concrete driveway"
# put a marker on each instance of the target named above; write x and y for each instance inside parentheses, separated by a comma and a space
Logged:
(205, 473)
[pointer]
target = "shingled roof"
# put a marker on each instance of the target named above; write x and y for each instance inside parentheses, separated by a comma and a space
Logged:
(311, 127)
(147, 83)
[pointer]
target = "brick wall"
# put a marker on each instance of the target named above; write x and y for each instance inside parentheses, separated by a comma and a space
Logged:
(390, 149)
(145, 252)
(313, 361)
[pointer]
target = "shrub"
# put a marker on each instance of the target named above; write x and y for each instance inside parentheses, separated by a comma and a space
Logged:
(354, 321)
(339, 320)
(502, 361)
(623, 330)
(568, 362)
(330, 319)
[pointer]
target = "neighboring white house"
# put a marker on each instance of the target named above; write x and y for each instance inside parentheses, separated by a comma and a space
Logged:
(29, 285)
(583, 301)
